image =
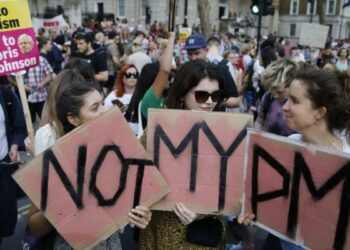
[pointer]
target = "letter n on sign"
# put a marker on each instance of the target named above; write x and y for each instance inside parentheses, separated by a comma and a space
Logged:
(298, 191)
(90, 179)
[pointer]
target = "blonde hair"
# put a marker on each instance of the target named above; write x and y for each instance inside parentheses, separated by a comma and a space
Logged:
(279, 74)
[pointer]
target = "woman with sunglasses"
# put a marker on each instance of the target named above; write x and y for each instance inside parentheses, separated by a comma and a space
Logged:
(124, 88)
(197, 86)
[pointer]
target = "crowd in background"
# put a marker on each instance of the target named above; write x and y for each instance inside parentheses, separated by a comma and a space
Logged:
(292, 90)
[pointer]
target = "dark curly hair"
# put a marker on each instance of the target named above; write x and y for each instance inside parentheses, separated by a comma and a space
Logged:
(329, 90)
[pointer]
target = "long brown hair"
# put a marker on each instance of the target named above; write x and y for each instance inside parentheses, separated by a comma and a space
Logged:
(119, 84)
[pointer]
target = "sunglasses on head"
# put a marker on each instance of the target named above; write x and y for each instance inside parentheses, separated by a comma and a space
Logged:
(202, 96)
(133, 75)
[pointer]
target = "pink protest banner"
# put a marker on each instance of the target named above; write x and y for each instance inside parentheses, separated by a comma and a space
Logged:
(200, 154)
(18, 48)
(299, 192)
(90, 179)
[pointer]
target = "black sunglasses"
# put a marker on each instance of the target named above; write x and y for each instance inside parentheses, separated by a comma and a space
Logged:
(202, 96)
(133, 75)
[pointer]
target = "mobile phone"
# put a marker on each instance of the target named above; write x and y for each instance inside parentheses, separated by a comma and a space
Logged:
(118, 103)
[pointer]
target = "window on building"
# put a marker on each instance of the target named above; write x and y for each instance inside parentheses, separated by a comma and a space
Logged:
(177, 8)
(311, 8)
(143, 7)
(294, 7)
(223, 9)
(121, 8)
(331, 7)
(330, 31)
(293, 28)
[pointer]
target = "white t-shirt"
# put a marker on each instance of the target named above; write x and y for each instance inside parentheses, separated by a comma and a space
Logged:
(125, 99)
(3, 140)
(44, 138)
(342, 137)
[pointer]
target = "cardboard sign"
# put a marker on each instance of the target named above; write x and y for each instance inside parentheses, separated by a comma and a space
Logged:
(57, 22)
(313, 35)
(200, 154)
(89, 180)
(183, 34)
(18, 48)
(299, 191)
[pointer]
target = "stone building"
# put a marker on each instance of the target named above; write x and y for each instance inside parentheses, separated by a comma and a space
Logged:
(225, 15)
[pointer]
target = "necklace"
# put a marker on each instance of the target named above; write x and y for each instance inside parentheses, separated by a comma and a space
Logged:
(335, 143)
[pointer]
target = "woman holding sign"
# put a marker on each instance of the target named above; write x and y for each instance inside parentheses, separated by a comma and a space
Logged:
(197, 86)
(317, 108)
(79, 103)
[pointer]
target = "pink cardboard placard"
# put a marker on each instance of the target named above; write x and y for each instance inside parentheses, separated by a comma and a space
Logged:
(200, 154)
(298, 191)
(90, 179)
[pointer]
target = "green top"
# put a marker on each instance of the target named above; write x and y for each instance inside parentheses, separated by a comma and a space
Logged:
(149, 100)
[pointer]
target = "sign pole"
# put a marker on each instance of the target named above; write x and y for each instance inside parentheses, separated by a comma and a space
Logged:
(23, 96)
(171, 19)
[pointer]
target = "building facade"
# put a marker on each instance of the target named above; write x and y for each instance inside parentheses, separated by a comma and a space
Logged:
(225, 15)
(292, 13)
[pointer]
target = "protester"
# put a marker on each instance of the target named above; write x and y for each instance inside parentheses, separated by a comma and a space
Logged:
(79, 103)
(196, 47)
(115, 58)
(317, 109)
(96, 59)
(36, 82)
(124, 88)
(342, 63)
(12, 135)
(198, 86)
(77, 65)
(133, 114)
(276, 79)
(155, 96)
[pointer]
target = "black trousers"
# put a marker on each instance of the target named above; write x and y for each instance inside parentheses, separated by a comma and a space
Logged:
(36, 108)
(8, 199)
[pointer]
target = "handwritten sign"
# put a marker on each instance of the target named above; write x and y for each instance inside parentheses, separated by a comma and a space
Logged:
(299, 191)
(183, 34)
(57, 22)
(313, 35)
(90, 179)
(200, 155)
(18, 49)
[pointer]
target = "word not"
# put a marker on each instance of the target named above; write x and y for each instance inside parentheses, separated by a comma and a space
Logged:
(77, 195)
(7, 24)
(193, 138)
(301, 169)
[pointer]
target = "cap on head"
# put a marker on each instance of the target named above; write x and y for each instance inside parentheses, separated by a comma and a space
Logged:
(195, 41)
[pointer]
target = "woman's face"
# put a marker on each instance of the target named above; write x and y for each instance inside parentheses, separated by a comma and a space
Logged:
(130, 77)
(233, 58)
(342, 53)
(92, 108)
(204, 96)
(298, 109)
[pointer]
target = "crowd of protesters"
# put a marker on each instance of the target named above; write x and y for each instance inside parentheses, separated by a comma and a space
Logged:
(296, 91)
